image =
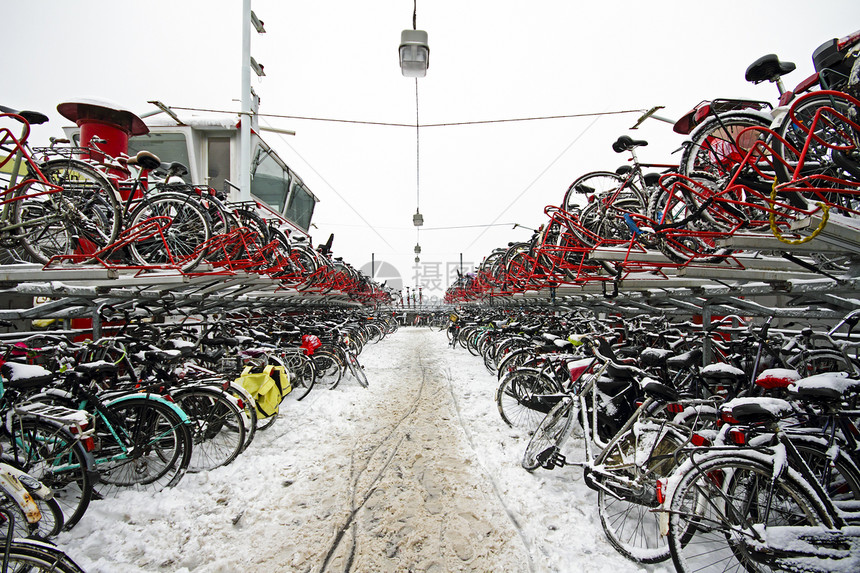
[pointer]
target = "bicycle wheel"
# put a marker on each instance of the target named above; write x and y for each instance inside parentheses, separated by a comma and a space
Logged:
(182, 228)
(249, 411)
(829, 133)
(819, 361)
(328, 367)
(38, 557)
(356, 369)
(522, 400)
(677, 201)
(716, 505)
(49, 453)
(595, 183)
(49, 525)
(638, 458)
(551, 433)
(717, 144)
(154, 447)
(606, 222)
(303, 374)
(217, 427)
(79, 219)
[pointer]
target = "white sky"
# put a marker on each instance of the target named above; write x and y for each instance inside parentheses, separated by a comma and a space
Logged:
(489, 60)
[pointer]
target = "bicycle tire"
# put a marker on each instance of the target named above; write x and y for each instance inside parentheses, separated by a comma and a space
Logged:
(696, 239)
(37, 557)
(217, 427)
(552, 432)
(796, 126)
(819, 361)
(328, 368)
(303, 374)
(51, 454)
(81, 218)
(179, 239)
(357, 370)
(609, 225)
(593, 183)
(156, 451)
(707, 510)
(50, 524)
(714, 147)
(627, 518)
(249, 410)
(514, 398)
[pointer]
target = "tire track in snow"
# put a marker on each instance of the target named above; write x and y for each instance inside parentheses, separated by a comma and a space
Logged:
(496, 491)
(356, 476)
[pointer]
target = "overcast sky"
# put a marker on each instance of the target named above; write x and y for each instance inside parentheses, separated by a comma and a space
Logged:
(489, 60)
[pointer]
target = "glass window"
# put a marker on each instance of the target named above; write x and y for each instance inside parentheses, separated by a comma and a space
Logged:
(169, 147)
(218, 161)
(270, 181)
(301, 207)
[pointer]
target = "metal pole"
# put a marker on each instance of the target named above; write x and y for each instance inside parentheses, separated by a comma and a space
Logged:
(245, 118)
(372, 266)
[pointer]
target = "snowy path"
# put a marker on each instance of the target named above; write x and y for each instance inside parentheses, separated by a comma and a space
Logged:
(415, 473)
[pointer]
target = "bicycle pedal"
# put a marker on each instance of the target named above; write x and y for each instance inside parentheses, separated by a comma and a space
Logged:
(550, 458)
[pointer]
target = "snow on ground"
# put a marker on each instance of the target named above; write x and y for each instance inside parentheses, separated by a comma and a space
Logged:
(415, 473)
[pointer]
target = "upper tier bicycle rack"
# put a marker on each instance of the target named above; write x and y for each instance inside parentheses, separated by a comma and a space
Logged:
(747, 282)
(79, 292)
(765, 277)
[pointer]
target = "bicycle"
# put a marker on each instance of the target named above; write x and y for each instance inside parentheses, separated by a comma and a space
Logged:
(727, 504)
(57, 207)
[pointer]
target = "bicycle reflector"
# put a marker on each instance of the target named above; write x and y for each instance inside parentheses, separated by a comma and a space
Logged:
(675, 407)
(738, 436)
(662, 484)
(84, 435)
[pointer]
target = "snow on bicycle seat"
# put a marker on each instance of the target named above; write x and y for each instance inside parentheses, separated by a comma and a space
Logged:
(18, 375)
(758, 410)
(686, 359)
(659, 390)
(100, 366)
(830, 386)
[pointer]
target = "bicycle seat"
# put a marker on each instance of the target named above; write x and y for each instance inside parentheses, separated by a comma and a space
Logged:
(767, 68)
(98, 367)
(651, 179)
(176, 168)
(145, 160)
(832, 386)
(758, 410)
(31, 117)
(659, 391)
(626, 143)
(685, 360)
(18, 375)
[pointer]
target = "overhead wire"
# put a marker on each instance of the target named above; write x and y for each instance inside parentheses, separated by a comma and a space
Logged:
(413, 125)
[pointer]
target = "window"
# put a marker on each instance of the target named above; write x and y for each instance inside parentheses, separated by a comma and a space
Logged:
(270, 180)
(301, 207)
(218, 161)
(169, 147)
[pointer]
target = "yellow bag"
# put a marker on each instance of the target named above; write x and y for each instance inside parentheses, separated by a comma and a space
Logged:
(267, 388)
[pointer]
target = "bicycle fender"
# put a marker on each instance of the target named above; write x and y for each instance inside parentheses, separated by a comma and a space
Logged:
(31, 484)
(11, 486)
(179, 411)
